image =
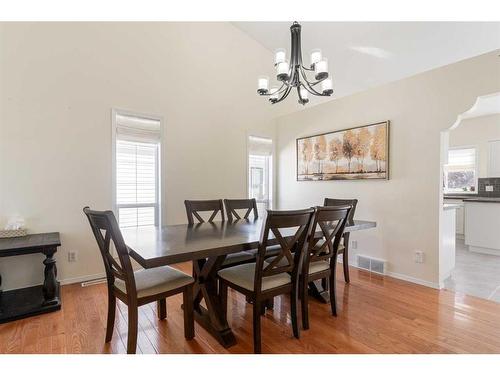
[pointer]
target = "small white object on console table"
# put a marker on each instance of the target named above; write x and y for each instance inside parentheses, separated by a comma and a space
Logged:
(482, 225)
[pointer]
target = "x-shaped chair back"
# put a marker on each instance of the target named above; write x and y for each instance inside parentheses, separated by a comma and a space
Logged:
(297, 225)
(331, 221)
(106, 230)
(193, 208)
(240, 204)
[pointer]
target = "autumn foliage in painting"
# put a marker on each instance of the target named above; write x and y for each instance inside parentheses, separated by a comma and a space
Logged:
(350, 154)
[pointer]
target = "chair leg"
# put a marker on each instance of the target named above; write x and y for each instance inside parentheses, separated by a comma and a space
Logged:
(188, 312)
(111, 316)
(294, 302)
(324, 283)
(333, 297)
(223, 298)
(133, 322)
(256, 327)
(304, 303)
(345, 258)
(161, 306)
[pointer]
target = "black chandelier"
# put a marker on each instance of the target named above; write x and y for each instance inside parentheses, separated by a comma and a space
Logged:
(293, 74)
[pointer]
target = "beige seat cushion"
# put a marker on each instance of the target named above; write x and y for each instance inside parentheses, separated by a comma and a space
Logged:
(271, 251)
(244, 274)
(341, 246)
(153, 281)
(321, 265)
(242, 256)
(313, 267)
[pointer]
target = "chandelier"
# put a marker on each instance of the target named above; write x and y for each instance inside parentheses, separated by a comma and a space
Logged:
(293, 74)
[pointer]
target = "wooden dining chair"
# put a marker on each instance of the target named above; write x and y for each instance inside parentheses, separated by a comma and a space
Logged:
(193, 208)
(140, 287)
(232, 205)
(261, 281)
(344, 246)
(320, 259)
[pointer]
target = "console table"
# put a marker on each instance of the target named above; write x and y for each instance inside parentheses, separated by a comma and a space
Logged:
(39, 299)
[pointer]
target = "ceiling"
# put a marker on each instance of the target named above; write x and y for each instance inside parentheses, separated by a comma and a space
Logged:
(367, 54)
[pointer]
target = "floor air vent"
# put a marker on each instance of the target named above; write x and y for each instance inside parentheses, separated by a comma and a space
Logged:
(371, 264)
(94, 282)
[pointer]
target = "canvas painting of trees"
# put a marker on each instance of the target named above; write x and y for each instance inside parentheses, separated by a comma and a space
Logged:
(350, 154)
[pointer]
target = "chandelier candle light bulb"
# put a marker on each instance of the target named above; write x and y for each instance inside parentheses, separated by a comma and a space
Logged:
(263, 85)
(321, 69)
(292, 73)
(282, 71)
(279, 56)
(327, 86)
(316, 56)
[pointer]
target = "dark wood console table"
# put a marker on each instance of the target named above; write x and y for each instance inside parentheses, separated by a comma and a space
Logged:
(21, 303)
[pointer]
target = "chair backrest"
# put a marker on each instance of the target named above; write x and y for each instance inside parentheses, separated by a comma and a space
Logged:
(291, 229)
(194, 207)
(240, 204)
(106, 230)
(342, 202)
(330, 221)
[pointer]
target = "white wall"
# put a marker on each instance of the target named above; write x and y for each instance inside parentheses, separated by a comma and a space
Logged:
(477, 132)
(407, 207)
(58, 83)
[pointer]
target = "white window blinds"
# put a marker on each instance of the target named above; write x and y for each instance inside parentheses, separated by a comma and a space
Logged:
(260, 146)
(137, 170)
(461, 159)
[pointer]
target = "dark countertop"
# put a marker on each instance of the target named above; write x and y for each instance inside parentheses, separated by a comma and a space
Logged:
(460, 196)
(483, 200)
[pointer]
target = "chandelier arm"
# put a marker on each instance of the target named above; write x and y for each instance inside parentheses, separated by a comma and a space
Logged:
(288, 90)
(279, 91)
(309, 87)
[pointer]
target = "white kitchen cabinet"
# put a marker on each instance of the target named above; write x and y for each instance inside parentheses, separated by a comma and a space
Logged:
(494, 159)
(459, 216)
(482, 223)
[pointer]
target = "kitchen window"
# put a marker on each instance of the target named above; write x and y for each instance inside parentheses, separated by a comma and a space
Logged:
(136, 169)
(460, 174)
(260, 172)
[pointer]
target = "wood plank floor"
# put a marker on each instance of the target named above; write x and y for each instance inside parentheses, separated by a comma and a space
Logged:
(376, 315)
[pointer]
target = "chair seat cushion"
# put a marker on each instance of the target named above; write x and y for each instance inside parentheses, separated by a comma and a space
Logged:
(149, 282)
(313, 267)
(242, 256)
(322, 241)
(271, 251)
(244, 275)
(318, 266)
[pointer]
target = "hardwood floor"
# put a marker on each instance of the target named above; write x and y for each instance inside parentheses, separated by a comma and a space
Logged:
(375, 315)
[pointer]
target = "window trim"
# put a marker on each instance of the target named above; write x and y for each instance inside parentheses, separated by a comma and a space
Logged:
(476, 168)
(161, 151)
(272, 166)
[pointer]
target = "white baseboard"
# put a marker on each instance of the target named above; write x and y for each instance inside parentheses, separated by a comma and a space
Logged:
(80, 279)
(400, 276)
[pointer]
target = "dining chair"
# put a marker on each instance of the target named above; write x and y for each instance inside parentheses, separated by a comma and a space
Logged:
(261, 281)
(193, 208)
(320, 259)
(232, 205)
(140, 287)
(344, 247)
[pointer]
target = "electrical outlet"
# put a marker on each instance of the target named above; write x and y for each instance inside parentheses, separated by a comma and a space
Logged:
(489, 187)
(72, 256)
(354, 244)
(419, 256)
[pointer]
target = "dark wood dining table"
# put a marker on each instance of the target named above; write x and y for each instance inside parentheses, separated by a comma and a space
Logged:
(206, 246)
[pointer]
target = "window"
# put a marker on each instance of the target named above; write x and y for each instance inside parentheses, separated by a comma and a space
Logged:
(460, 174)
(260, 171)
(137, 147)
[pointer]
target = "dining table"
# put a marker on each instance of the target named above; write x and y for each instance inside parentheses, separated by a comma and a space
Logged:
(206, 245)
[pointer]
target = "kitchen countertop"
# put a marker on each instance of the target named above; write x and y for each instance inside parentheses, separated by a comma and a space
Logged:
(460, 196)
(451, 206)
(483, 200)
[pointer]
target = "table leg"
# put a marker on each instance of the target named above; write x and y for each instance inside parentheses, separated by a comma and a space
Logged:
(50, 286)
(318, 292)
(212, 317)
